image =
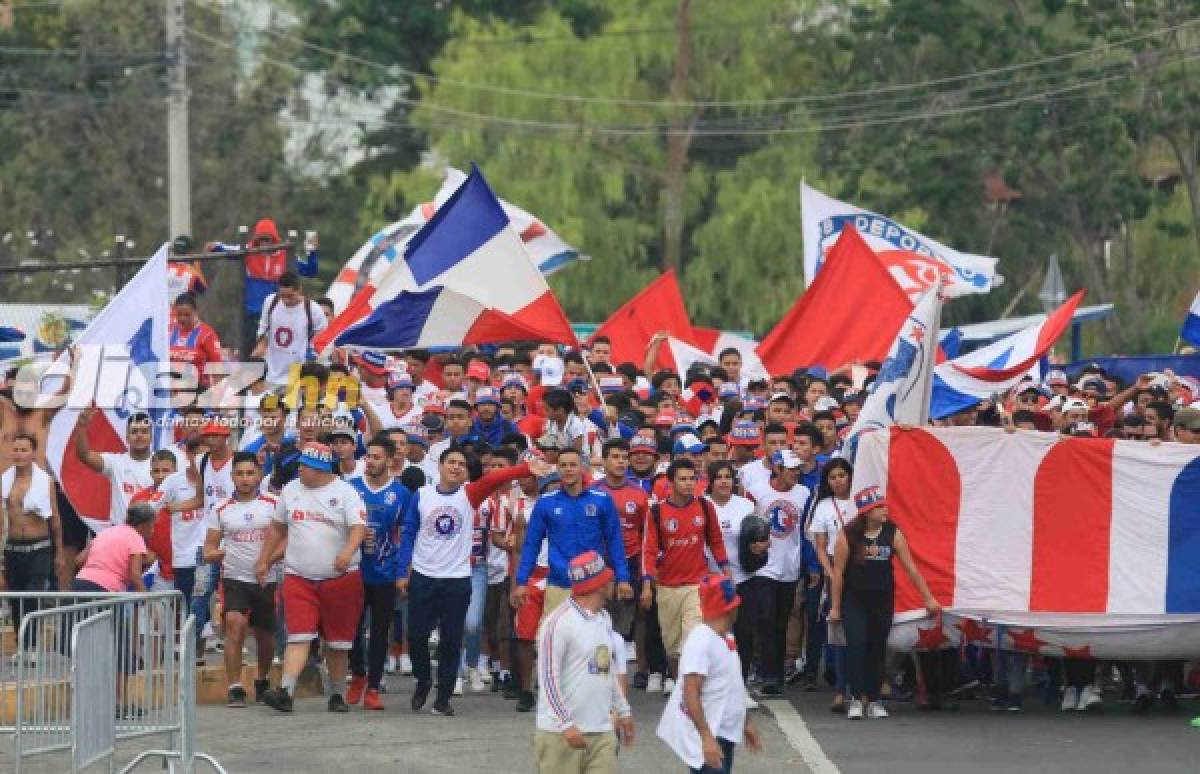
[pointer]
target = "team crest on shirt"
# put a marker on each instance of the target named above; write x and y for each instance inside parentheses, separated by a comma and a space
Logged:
(601, 661)
(631, 507)
(698, 521)
(390, 498)
(671, 525)
(784, 517)
(590, 510)
(445, 522)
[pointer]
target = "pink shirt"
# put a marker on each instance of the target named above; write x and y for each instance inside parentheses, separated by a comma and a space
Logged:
(108, 557)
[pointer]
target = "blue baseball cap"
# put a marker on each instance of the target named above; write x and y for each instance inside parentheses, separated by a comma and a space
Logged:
(486, 395)
(317, 456)
(688, 443)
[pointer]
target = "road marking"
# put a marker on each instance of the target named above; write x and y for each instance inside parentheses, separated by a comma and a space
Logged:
(795, 730)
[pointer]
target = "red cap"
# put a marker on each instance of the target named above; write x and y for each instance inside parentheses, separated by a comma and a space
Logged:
(478, 370)
(215, 426)
(588, 572)
(665, 418)
(717, 596)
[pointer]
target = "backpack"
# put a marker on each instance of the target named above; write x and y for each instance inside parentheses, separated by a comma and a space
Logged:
(307, 315)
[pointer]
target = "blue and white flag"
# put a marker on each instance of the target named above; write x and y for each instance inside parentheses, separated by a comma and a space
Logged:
(900, 392)
(1191, 324)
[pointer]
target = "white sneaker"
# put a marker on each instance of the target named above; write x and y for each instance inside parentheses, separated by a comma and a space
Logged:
(854, 710)
(475, 681)
(750, 702)
(1070, 699)
(486, 677)
(389, 666)
(875, 710)
(668, 686)
(1089, 699)
(458, 686)
(405, 664)
(654, 683)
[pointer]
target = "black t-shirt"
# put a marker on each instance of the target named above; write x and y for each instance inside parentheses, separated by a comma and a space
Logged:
(872, 572)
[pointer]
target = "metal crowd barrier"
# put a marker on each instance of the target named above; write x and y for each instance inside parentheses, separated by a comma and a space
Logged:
(89, 670)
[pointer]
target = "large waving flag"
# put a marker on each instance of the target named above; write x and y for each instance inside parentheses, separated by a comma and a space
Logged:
(1191, 324)
(438, 317)
(1075, 547)
(469, 246)
(962, 382)
(915, 260)
(121, 353)
(900, 393)
(850, 313)
(547, 250)
(657, 307)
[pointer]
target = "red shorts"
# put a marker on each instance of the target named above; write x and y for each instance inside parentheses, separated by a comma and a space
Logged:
(328, 608)
(529, 615)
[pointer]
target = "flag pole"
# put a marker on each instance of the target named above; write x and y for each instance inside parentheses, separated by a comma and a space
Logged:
(595, 383)
(934, 338)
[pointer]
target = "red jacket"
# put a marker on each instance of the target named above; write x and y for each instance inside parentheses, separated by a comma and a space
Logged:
(681, 534)
(198, 346)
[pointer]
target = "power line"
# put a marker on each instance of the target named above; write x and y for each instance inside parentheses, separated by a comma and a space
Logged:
(576, 98)
(698, 131)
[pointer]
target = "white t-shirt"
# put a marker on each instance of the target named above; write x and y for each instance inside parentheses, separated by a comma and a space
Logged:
(724, 700)
(243, 527)
(753, 475)
(577, 683)
(389, 419)
(730, 517)
(442, 546)
(187, 527)
(828, 518)
(574, 427)
(784, 512)
(319, 522)
(218, 483)
(126, 477)
(285, 332)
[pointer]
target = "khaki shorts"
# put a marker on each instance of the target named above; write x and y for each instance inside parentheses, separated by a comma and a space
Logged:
(678, 614)
(555, 596)
(555, 756)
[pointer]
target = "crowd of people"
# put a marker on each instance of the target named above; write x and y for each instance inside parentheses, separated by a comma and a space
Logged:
(566, 529)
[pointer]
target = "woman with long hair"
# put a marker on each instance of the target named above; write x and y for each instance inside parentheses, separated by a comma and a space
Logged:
(864, 591)
(832, 510)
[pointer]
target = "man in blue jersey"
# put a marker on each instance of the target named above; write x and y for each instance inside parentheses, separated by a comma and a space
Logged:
(574, 520)
(386, 499)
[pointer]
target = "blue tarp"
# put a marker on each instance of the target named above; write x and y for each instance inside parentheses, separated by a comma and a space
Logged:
(1127, 368)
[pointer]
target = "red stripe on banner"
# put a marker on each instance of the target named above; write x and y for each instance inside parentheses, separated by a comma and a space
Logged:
(356, 311)
(923, 493)
(533, 231)
(1072, 525)
(89, 491)
(347, 274)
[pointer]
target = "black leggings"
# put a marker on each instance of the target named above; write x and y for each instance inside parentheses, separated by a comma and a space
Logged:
(867, 623)
(379, 603)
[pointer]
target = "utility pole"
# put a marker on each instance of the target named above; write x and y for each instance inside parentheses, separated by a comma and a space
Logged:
(179, 175)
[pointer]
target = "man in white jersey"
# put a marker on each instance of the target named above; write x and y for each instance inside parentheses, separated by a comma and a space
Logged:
(781, 502)
(578, 691)
(323, 520)
(289, 321)
(436, 546)
(757, 473)
(237, 530)
(127, 472)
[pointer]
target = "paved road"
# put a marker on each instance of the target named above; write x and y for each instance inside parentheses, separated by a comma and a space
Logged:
(978, 741)
(486, 736)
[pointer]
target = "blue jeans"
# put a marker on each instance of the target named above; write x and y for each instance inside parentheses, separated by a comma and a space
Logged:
(726, 760)
(473, 627)
(815, 642)
(202, 591)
